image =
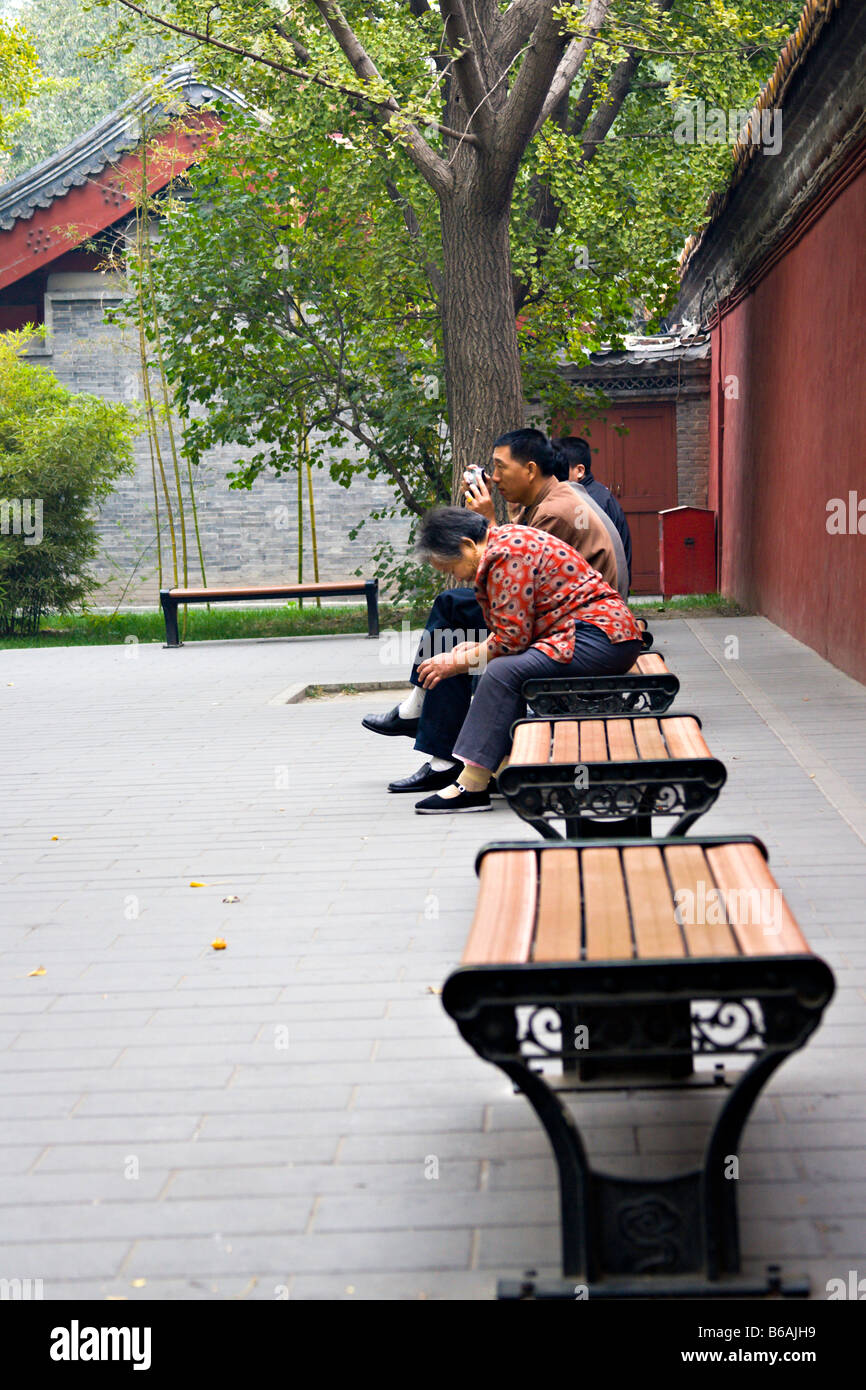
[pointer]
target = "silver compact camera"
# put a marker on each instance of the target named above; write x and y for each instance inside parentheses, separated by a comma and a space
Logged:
(473, 474)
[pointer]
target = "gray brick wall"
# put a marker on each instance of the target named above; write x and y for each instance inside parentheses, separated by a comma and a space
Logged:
(247, 535)
(693, 450)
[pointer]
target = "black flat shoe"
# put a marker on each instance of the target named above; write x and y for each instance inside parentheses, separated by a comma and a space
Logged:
(426, 780)
(453, 805)
(391, 724)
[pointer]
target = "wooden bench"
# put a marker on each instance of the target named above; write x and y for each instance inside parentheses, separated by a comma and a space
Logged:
(171, 598)
(611, 776)
(608, 953)
(648, 688)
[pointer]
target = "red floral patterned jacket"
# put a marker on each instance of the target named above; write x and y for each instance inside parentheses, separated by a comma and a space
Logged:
(532, 587)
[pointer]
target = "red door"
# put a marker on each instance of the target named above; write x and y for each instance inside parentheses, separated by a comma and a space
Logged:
(634, 453)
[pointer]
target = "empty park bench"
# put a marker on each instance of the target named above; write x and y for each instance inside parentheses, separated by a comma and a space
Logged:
(638, 962)
(228, 593)
(611, 776)
(648, 688)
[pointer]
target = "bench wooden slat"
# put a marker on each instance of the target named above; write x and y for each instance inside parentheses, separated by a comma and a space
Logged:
(762, 924)
(505, 911)
(531, 743)
(268, 590)
(620, 741)
(557, 935)
(605, 907)
(566, 742)
(647, 736)
(688, 869)
(593, 744)
(649, 664)
(656, 931)
(684, 738)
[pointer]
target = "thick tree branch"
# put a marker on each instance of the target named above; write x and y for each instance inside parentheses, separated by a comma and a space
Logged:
(429, 164)
(516, 27)
(467, 70)
(301, 53)
(583, 105)
(520, 116)
(573, 60)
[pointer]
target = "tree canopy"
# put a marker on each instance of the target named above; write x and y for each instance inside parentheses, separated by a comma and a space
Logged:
(428, 218)
(76, 75)
(19, 68)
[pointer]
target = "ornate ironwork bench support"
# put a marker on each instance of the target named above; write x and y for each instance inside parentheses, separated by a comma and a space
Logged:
(650, 694)
(660, 1236)
(613, 798)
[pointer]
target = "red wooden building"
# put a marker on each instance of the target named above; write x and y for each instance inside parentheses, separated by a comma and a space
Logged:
(650, 444)
(89, 188)
(779, 275)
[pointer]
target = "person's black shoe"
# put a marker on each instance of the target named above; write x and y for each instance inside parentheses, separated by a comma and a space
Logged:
(426, 780)
(391, 724)
(453, 805)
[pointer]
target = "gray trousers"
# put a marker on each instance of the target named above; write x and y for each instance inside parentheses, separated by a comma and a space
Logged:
(485, 737)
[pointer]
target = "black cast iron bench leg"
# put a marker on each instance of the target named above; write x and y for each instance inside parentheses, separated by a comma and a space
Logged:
(606, 1215)
(169, 609)
(371, 593)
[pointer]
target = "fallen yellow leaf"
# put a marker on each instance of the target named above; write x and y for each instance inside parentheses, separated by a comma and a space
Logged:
(194, 884)
(55, 837)
(40, 970)
(218, 944)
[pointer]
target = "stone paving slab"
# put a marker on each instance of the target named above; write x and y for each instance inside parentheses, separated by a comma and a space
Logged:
(295, 1116)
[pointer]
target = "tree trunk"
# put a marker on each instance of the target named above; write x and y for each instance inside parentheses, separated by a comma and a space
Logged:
(482, 364)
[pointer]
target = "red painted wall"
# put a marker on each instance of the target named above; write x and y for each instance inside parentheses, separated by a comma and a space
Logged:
(796, 436)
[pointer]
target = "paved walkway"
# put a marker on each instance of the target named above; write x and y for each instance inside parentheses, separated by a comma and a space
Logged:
(266, 1121)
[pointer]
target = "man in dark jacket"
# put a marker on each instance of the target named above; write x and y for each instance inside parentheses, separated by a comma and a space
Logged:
(577, 453)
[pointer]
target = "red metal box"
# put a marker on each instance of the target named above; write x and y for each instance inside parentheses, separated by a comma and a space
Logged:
(687, 551)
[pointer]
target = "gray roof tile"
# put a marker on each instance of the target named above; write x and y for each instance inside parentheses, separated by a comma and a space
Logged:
(90, 152)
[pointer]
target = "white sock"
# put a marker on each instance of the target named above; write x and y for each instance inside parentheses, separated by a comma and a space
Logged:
(441, 764)
(411, 706)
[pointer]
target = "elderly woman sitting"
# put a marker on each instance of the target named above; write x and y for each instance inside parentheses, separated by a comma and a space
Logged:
(548, 613)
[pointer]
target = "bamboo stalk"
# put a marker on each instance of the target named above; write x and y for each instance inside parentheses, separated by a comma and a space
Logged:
(156, 510)
(164, 389)
(145, 377)
(312, 510)
(300, 531)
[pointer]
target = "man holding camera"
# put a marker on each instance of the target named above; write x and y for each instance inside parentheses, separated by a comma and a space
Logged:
(524, 471)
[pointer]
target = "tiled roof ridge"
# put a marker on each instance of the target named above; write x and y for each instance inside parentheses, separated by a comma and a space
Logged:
(90, 152)
(814, 18)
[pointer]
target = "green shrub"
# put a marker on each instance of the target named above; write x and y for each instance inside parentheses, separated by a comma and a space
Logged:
(60, 454)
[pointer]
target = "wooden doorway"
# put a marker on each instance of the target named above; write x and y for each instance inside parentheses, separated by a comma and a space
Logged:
(634, 453)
